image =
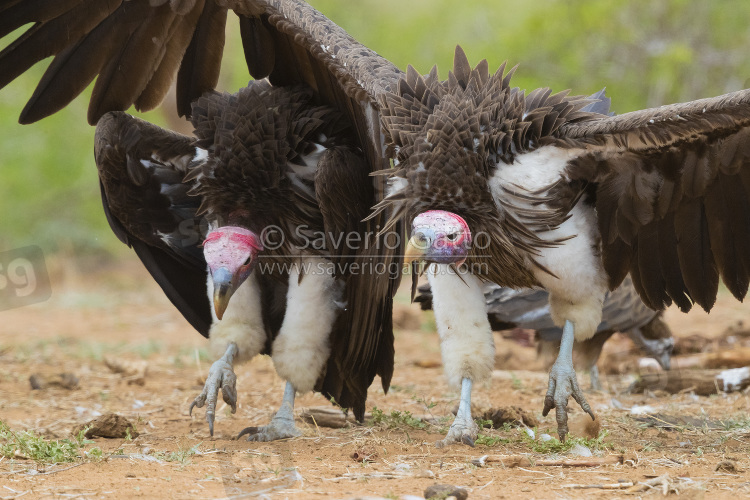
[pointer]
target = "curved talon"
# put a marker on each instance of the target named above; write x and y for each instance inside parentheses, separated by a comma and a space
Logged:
(562, 385)
(220, 377)
(467, 440)
(193, 405)
(247, 430)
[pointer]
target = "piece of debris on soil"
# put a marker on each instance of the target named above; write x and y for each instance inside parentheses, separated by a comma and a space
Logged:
(364, 454)
(732, 357)
(328, 416)
(666, 485)
(619, 485)
(428, 363)
(64, 380)
(445, 491)
(110, 425)
(134, 372)
(672, 422)
(524, 461)
(727, 466)
(582, 425)
(701, 382)
(690, 344)
(512, 415)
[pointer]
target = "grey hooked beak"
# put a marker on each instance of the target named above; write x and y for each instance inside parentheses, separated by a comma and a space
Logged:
(223, 290)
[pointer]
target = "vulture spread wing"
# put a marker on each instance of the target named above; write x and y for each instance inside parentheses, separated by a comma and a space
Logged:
(672, 191)
(529, 309)
(136, 48)
(141, 171)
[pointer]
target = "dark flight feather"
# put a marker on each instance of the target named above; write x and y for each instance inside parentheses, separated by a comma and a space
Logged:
(258, 45)
(148, 208)
(199, 70)
(679, 171)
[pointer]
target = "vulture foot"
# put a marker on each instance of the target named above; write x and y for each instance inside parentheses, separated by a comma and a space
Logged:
(278, 428)
(563, 384)
(220, 377)
(281, 425)
(463, 429)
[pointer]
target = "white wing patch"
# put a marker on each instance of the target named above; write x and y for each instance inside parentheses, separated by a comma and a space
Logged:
(303, 176)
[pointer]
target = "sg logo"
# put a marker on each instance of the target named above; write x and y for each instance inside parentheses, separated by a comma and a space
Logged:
(23, 278)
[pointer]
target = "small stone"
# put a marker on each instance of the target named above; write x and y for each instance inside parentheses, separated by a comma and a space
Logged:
(512, 415)
(726, 466)
(110, 425)
(545, 437)
(64, 380)
(425, 474)
(445, 491)
(364, 454)
(580, 451)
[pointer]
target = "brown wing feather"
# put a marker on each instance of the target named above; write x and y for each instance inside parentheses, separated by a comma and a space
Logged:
(77, 65)
(672, 196)
(161, 79)
(199, 70)
(258, 45)
(141, 168)
(125, 77)
(50, 36)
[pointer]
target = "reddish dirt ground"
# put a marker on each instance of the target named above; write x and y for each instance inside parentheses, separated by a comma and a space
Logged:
(121, 313)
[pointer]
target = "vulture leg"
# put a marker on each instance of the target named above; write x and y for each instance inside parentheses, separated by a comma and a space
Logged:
(654, 338)
(587, 355)
(220, 376)
(463, 429)
(596, 383)
(301, 349)
(281, 425)
(563, 384)
(466, 341)
(240, 335)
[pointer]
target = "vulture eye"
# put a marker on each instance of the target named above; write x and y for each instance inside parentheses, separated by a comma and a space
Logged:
(452, 237)
(247, 261)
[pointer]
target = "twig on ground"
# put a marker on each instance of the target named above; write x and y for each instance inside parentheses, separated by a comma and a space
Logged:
(612, 486)
(523, 461)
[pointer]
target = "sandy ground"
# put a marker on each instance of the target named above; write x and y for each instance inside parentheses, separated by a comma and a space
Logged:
(123, 314)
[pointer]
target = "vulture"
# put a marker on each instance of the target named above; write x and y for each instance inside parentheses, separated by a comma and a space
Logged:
(623, 311)
(531, 190)
(254, 227)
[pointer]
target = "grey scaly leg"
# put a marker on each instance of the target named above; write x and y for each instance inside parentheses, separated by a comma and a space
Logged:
(596, 383)
(563, 384)
(220, 376)
(463, 429)
(281, 425)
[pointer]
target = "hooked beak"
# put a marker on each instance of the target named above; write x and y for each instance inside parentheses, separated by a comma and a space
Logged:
(415, 256)
(223, 290)
(418, 246)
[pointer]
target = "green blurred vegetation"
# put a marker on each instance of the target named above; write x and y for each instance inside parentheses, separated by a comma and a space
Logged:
(645, 52)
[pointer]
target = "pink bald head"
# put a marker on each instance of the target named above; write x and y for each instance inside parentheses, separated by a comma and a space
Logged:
(441, 237)
(230, 253)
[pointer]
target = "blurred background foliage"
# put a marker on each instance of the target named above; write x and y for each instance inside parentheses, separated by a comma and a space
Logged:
(645, 52)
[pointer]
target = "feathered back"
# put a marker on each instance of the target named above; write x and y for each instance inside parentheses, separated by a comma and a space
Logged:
(262, 146)
(448, 138)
